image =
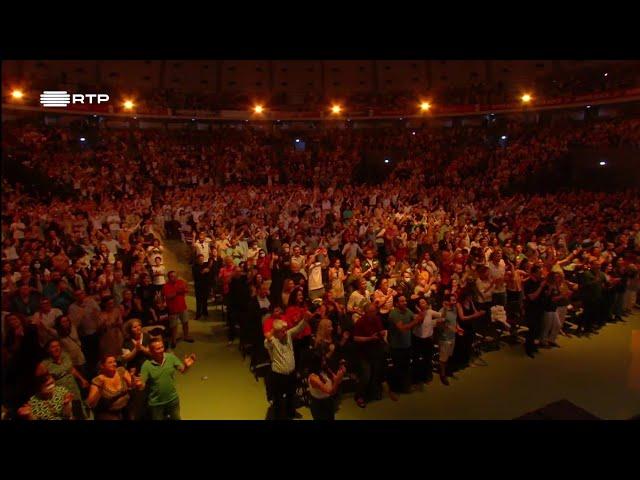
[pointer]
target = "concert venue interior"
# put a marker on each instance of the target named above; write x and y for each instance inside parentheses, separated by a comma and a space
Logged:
(320, 239)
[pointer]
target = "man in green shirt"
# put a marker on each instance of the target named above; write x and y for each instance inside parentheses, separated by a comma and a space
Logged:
(158, 374)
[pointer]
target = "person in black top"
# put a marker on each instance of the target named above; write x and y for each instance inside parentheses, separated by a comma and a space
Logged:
(550, 323)
(468, 316)
(135, 349)
(534, 308)
(21, 354)
(619, 278)
(237, 302)
(257, 309)
(146, 292)
(202, 277)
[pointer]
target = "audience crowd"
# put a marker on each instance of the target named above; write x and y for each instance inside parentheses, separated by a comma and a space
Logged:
(477, 91)
(329, 284)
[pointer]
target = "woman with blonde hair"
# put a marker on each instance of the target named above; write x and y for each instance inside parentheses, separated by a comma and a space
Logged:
(135, 349)
(324, 344)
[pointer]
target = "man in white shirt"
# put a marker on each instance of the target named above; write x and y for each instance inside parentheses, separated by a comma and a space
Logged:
(202, 246)
(358, 300)
(111, 243)
(279, 344)
(422, 340)
(45, 321)
(497, 272)
(316, 262)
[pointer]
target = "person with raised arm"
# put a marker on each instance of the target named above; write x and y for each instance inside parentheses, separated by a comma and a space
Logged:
(158, 376)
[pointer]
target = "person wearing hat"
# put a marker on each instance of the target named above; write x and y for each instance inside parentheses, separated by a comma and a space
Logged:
(279, 343)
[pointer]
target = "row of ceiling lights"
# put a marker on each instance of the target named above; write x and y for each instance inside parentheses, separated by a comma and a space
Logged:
(335, 109)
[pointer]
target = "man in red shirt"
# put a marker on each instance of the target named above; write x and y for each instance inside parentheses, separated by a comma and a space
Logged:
(370, 338)
(174, 292)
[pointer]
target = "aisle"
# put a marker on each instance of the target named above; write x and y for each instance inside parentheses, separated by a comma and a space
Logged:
(594, 373)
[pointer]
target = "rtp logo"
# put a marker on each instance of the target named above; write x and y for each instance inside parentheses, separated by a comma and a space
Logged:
(62, 98)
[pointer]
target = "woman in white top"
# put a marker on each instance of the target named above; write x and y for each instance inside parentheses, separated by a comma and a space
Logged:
(422, 341)
(383, 298)
(336, 280)
(323, 386)
(158, 273)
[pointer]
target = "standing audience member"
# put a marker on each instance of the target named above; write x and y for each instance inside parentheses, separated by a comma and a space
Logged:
(174, 292)
(279, 344)
(158, 376)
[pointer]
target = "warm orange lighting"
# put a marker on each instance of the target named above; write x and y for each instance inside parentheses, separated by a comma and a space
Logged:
(258, 109)
(526, 98)
(128, 105)
(336, 109)
(425, 106)
(17, 94)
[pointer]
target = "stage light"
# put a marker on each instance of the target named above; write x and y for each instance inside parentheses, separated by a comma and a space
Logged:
(603, 163)
(606, 74)
(503, 137)
(297, 140)
(526, 98)
(258, 109)
(82, 139)
(17, 94)
(386, 160)
(336, 109)
(193, 119)
(425, 106)
(413, 133)
(128, 105)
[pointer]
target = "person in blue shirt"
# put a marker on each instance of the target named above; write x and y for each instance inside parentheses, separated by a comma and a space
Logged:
(401, 321)
(447, 336)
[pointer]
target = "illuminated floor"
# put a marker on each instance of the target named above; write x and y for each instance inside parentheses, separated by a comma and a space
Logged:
(600, 374)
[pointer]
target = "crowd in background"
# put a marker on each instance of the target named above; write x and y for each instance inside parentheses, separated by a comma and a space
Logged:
(477, 91)
(324, 278)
